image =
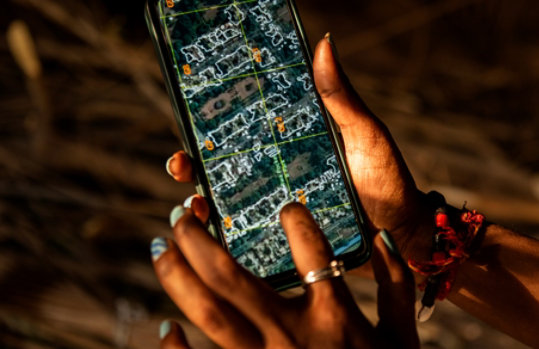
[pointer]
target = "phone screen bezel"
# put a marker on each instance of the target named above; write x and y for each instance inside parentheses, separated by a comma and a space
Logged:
(289, 278)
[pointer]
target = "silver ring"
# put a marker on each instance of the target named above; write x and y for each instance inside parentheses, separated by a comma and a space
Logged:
(333, 270)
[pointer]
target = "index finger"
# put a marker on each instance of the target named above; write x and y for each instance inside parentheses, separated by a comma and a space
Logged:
(310, 249)
(223, 275)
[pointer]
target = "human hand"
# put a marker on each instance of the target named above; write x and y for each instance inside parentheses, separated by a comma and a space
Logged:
(237, 310)
(382, 180)
(386, 188)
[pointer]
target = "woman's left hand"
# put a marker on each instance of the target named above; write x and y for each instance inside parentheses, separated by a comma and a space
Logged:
(237, 310)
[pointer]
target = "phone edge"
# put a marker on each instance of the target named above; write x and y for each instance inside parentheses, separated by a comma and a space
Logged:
(290, 278)
(351, 260)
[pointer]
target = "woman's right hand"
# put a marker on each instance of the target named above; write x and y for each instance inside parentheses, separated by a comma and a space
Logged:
(383, 182)
(237, 310)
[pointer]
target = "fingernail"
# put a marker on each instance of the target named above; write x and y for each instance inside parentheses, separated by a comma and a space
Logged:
(390, 243)
(158, 247)
(164, 329)
(187, 203)
(329, 38)
(176, 214)
(168, 165)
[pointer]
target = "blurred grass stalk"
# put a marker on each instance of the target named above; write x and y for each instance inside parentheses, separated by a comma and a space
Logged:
(23, 49)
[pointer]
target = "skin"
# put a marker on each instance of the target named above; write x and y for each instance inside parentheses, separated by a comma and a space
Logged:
(498, 284)
(237, 310)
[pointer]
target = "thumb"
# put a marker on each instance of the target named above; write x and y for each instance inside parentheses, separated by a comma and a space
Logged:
(396, 292)
(338, 95)
(367, 140)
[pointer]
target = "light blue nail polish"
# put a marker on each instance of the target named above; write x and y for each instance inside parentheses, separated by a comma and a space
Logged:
(168, 166)
(390, 243)
(164, 329)
(188, 201)
(158, 247)
(176, 214)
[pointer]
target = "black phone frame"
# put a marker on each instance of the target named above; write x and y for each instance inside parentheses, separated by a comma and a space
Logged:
(289, 278)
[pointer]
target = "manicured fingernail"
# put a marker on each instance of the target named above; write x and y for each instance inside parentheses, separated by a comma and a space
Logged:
(329, 38)
(176, 214)
(158, 247)
(390, 243)
(164, 329)
(187, 203)
(168, 165)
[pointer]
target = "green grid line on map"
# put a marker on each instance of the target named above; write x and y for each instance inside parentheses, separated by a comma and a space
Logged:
(205, 9)
(254, 228)
(277, 222)
(283, 167)
(264, 147)
(331, 208)
(212, 82)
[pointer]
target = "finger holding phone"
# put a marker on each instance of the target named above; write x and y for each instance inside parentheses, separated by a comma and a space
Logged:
(240, 79)
(325, 316)
(237, 310)
(232, 306)
(389, 199)
(381, 178)
(326, 308)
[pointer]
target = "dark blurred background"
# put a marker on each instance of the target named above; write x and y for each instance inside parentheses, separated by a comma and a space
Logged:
(86, 127)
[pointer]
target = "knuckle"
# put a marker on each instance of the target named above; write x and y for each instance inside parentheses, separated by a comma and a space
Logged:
(337, 315)
(209, 317)
(168, 265)
(330, 295)
(328, 92)
(226, 275)
(308, 232)
(334, 315)
(184, 226)
(164, 267)
(309, 235)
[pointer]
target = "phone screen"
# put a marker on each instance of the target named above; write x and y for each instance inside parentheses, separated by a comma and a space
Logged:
(261, 134)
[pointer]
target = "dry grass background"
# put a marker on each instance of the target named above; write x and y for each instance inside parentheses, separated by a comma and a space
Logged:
(84, 140)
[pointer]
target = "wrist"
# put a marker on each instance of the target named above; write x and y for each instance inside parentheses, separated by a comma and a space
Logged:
(417, 244)
(462, 233)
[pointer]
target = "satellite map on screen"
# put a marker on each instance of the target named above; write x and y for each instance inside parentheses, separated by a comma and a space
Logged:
(258, 124)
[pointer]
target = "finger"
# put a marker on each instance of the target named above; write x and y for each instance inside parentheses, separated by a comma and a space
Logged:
(371, 152)
(396, 292)
(215, 317)
(179, 167)
(172, 336)
(310, 249)
(337, 93)
(329, 299)
(220, 272)
(199, 206)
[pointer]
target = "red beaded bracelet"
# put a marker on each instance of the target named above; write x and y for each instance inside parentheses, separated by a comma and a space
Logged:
(451, 247)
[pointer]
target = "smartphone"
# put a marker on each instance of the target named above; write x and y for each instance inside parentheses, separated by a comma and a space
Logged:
(239, 76)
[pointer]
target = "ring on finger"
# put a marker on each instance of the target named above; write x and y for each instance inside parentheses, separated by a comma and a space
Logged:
(333, 270)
